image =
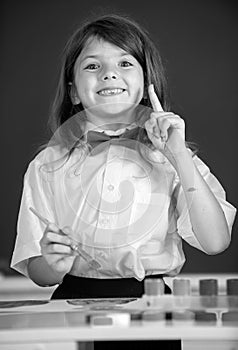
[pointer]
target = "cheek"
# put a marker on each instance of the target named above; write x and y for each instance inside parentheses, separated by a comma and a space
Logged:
(139, 78)
(83, 88)
(139, 82)
(88, 83)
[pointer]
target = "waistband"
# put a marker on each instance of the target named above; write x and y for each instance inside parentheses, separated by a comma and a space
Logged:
(73, 287)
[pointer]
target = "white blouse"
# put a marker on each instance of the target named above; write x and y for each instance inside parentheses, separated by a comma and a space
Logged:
(129, 216)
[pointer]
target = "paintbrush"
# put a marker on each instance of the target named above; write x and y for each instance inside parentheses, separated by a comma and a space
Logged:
(75, 247)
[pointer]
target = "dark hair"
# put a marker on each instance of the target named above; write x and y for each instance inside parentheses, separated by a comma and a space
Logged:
(127, 34)
(123, 32)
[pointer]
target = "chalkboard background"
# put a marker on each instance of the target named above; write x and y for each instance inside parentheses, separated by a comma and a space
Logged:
(198, 43)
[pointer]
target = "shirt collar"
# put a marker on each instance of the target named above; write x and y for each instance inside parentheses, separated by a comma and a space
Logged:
(91, 126)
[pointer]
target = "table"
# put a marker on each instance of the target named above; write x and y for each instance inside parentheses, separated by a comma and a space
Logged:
(62, 324)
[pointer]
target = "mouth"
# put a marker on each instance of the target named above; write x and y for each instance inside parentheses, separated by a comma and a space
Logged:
(110, 91)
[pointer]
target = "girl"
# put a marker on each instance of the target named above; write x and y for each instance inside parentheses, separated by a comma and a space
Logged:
(117, 176)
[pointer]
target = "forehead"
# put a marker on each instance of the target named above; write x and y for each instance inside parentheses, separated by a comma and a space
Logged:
(100, 47)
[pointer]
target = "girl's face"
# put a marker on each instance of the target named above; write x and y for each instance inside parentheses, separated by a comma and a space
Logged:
(109, 82)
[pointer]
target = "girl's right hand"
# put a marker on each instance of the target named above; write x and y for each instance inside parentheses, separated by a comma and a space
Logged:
(56, 250)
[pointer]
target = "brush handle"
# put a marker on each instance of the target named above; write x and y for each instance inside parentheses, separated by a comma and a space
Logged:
(75, 247)
(40, 217)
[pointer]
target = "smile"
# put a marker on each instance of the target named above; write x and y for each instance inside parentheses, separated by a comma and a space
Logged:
(110, 92)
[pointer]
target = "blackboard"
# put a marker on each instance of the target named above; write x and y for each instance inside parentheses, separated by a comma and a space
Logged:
(198, 43)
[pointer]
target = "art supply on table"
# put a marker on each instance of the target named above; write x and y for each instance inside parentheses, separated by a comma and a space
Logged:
(230, 318)
(154, 286)
(181, 291)
(74, 246)
(152, 315)
(154, 289)
(208, 290)
(109, 319)
(207, 317)
(181, 287)
(103, 303)
(232, 286)
(232, 292)
(208, 287)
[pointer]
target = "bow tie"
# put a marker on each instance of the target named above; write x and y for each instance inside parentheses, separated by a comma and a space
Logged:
(95, 138)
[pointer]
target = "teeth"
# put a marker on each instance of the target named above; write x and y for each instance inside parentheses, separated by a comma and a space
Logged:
(109, 92)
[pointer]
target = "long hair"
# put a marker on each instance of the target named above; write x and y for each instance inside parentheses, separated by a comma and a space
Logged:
(127, 34)
(123, 32)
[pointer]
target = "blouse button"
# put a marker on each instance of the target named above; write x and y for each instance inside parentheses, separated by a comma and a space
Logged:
(110, 187)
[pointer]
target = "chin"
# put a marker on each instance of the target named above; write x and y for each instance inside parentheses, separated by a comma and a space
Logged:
(115, 108)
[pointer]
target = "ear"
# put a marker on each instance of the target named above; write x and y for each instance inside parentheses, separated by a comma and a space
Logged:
(74, 95)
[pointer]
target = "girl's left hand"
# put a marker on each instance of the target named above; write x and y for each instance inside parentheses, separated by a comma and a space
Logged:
(166, 130)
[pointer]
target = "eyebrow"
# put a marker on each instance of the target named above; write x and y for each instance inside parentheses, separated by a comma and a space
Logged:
(98, 55)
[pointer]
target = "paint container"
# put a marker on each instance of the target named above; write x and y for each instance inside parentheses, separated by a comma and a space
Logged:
(154, 290)
(110, 319)
(181, 292)
(203, 317)
(154, 316)
(232, 292)
(230, 318)
(208, 290)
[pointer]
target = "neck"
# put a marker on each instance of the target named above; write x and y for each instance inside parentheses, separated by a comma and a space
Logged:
(111, 122)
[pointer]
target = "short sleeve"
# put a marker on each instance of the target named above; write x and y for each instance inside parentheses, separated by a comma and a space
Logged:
(37, 194)
(184, 225)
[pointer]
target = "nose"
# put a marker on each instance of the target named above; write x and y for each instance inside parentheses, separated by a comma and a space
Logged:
(109, 75)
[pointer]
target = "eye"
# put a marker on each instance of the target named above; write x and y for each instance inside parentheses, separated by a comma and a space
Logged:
(92, 66)
(126, 64)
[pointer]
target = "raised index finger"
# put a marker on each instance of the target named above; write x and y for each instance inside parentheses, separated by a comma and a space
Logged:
(154, 99)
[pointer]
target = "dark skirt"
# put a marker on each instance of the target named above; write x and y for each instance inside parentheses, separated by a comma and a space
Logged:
(74, 287)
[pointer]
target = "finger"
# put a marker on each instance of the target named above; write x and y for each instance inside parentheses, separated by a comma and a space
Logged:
(59, 249)
(54, 237)
(67, 230)
(163, 114)
(151, 126)
(153, 133)
(164, 125)
(53, 248)
(174, 120)
(73, 241)
(156, 128)
(51, 227)
(154, 99)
